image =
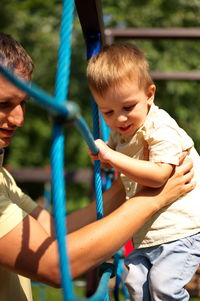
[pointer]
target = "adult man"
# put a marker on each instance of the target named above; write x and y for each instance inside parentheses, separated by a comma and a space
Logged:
(27, 242)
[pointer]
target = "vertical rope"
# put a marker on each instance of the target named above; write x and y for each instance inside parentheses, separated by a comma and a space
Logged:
(64, 52)
(57, 149)
(93, 43)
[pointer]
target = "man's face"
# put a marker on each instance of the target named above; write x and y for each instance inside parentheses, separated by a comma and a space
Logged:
(12, 108)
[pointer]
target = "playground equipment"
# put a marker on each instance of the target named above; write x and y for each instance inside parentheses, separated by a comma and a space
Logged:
(64, 111)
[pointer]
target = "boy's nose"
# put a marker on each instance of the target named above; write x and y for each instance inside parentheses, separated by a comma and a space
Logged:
(16, 116)
(122, 118)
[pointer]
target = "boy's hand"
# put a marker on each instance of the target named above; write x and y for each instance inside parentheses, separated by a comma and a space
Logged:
(103, 155)
(105, 152)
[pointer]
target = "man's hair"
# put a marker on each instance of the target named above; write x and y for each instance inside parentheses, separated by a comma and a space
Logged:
(114, 65)
(13, 56)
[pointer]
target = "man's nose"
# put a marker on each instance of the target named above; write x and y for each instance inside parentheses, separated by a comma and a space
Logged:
(16, 116)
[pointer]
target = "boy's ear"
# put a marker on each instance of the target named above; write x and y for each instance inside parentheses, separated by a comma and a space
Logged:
(150, 94)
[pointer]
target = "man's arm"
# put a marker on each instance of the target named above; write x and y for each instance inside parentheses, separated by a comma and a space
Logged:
(112, 199)
(29, 250)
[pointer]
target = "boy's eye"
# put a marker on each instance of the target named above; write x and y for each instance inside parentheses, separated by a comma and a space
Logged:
(107, 113)
(128, 108)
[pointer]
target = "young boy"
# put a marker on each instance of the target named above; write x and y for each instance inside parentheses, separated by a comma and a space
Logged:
(167, 247)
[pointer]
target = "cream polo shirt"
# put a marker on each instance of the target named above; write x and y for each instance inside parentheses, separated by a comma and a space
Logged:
(166, 141)
(14, 206)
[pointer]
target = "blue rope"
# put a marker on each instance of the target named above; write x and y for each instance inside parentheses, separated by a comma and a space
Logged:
(101, 293)
(105, 132)
(64, 53)
(46, 100)
(58, 191)
(86, 134)
(93, 44)
(57, 148)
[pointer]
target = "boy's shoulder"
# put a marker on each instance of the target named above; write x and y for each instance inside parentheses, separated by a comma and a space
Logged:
(162, 127)
(159, 117)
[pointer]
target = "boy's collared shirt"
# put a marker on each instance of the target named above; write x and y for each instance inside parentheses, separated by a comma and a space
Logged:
(166, 142)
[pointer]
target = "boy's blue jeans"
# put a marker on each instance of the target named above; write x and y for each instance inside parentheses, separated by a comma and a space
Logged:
(160, 273)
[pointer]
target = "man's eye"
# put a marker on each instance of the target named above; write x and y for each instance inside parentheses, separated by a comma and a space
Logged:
(5, 104)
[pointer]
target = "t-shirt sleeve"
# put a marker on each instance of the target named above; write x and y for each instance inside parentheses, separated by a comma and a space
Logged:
(14, 204)
(10, 215)
(16, 195)
(165, 145)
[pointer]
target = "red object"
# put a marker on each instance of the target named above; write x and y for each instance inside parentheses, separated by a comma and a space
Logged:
(128, 248)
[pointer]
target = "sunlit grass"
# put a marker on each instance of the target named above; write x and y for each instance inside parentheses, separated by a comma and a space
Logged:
(41, 293)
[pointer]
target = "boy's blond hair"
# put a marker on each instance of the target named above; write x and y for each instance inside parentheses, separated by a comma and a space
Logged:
(116, 64)
(13, 56)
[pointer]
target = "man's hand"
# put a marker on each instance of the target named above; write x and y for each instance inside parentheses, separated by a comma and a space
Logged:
(177, 185)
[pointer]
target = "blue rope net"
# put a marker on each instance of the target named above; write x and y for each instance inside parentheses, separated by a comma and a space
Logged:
(66, 111)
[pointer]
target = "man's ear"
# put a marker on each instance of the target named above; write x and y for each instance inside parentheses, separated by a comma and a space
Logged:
(150, 94)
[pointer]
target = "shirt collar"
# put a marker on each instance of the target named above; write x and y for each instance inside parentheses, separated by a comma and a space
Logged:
(149, 115)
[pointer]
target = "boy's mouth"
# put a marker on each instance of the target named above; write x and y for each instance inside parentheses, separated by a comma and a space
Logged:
(124, 128)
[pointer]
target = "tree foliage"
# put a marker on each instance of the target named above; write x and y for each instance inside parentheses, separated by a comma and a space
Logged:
(35, 23)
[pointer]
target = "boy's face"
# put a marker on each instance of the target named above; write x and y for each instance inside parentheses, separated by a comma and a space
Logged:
(12, 108)
(125, 108)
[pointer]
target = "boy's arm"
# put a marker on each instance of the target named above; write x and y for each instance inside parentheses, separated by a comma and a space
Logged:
(143, 172)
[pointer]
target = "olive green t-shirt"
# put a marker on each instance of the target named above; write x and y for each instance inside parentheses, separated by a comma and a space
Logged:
(14, 206)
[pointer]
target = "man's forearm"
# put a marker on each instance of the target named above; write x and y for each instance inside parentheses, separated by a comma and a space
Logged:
(113, 198)
(103, 238)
